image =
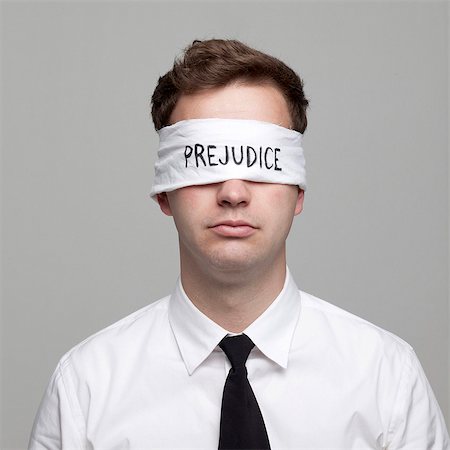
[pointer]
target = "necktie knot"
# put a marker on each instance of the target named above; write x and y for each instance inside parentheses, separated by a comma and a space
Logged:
(237, 349)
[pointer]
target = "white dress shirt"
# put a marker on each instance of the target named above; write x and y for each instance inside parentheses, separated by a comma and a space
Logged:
(324, 379)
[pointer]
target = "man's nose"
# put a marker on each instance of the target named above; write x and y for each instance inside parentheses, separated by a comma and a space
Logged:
(233, 193)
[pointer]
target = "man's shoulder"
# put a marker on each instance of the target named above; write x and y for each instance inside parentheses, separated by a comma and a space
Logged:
(348, 330)
(122, 336)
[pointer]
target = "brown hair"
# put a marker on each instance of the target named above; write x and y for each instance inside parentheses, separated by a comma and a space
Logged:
(216, 63)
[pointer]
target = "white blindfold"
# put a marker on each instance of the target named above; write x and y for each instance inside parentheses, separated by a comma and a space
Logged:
(204, 151)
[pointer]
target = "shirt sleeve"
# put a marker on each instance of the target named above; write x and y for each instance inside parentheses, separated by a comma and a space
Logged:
(58, 423)
(418, 423)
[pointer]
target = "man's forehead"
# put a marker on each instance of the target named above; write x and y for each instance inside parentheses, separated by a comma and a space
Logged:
(235, 101)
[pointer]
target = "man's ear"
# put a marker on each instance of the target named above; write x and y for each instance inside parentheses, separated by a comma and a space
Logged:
(164, 204)
(299, 203)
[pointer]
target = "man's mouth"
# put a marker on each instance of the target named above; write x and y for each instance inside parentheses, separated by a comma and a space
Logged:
(234, 228)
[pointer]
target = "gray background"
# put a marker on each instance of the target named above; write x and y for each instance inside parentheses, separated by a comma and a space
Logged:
(83, 245)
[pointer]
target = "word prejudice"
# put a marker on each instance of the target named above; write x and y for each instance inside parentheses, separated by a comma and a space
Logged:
(206, 155)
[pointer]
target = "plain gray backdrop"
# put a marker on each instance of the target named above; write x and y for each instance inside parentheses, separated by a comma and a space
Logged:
(83, 245)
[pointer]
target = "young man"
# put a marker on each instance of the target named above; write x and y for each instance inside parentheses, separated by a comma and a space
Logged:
(236, 356)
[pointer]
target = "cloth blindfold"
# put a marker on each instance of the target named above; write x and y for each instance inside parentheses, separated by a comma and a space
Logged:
(204, 151)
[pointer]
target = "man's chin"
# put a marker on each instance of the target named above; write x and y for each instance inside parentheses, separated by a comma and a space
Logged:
(233, 263)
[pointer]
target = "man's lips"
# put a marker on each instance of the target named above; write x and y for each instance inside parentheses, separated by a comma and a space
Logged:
(233, 228)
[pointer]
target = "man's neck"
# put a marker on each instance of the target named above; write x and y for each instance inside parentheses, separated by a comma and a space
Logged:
(234, 299)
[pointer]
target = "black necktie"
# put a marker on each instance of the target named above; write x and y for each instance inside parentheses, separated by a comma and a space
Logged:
(241, 423)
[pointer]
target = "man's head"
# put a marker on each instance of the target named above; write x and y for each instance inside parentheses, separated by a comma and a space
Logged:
(233, 225)
(216, 63)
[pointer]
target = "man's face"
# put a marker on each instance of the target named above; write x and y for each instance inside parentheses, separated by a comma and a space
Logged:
(233, 225)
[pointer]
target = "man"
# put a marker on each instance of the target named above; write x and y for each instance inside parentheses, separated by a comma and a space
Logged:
(236, 356)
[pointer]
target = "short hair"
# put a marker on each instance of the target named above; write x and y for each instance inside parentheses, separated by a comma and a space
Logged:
(218, 62)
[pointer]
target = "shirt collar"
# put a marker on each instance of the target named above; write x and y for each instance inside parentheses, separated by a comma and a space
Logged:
(272, 332)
